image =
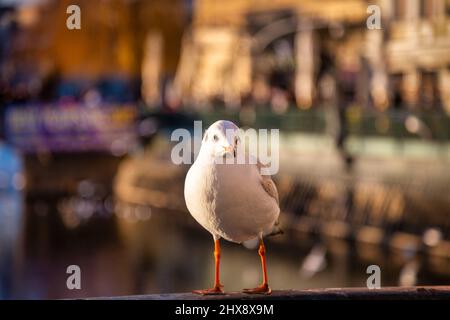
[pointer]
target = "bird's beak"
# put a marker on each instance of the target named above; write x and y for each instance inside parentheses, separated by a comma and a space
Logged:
(228, 149)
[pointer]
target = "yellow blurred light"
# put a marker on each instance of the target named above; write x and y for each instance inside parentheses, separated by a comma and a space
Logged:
(27, 16)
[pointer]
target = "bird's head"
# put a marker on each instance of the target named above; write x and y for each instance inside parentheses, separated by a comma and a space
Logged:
(222, 138)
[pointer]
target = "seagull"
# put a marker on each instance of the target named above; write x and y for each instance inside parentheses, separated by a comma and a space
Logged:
(231, 199)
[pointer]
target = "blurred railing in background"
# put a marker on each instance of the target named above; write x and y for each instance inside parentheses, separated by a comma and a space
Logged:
(360, 122)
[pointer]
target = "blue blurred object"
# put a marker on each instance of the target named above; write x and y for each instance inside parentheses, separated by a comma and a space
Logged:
(11, 186)
(116, 89)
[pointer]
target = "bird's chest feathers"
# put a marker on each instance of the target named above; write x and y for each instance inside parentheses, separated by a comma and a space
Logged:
(222, 187)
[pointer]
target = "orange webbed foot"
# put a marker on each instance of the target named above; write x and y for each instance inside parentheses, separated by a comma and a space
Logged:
(213, 291)
(262, 289)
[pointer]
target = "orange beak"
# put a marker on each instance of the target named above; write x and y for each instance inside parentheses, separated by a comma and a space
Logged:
(228, 149)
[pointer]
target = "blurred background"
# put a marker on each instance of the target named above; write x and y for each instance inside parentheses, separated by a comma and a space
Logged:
(86, 116)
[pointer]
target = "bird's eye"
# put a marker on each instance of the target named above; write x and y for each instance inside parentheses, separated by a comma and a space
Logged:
(216, 138)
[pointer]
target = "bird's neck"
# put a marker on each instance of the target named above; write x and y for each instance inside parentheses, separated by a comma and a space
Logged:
(205, 157)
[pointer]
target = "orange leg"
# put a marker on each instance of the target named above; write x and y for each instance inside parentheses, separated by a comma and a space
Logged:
(217, 289)
(264, 287)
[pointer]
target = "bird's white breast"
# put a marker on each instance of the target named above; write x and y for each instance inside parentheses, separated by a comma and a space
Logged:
(229, 201)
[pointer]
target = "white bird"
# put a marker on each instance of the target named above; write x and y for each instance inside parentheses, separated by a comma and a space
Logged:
(231, 201)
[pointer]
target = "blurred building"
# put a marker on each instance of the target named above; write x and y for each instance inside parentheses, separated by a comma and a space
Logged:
(417, 51)
(309, 52)
(115, 43)
(207, 52)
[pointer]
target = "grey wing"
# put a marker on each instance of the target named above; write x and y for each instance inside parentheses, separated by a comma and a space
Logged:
(268, 184)
(271, 189)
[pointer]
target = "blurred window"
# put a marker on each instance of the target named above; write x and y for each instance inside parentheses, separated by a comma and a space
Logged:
(400, 9)
(432, 8)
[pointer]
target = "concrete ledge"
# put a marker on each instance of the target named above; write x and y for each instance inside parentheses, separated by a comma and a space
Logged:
(402, 293)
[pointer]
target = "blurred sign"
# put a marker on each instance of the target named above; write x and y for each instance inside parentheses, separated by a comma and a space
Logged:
(71, 128)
